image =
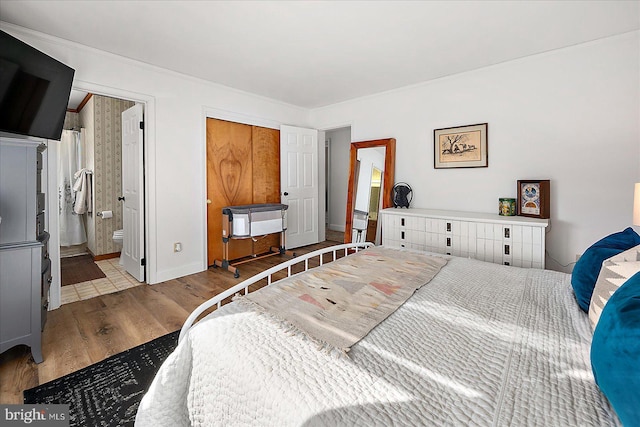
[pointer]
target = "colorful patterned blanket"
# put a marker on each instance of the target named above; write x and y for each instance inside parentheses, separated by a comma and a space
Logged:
(337, 304)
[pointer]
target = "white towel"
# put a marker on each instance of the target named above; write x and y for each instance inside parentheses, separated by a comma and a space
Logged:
(82, 187)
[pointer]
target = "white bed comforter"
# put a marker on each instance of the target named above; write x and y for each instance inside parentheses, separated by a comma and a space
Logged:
(481, 344)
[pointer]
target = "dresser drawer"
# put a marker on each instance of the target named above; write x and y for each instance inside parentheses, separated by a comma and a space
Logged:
(45, 284)
(40, 201)
(44, 260)
(39, 160)
(40, 224)
(39, 182)
(45, 256)
(46, 279)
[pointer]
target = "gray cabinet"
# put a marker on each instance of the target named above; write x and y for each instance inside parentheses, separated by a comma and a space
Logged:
(25, 268)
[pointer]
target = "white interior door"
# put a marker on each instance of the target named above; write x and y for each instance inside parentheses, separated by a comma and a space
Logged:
(299, 184)
(132, 191)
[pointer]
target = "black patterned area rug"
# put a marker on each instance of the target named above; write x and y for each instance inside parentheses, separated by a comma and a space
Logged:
(107, 393)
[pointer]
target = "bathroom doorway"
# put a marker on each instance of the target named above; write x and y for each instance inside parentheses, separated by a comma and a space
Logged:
(89, 194)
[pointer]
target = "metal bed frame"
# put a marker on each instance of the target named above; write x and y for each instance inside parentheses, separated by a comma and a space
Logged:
(348, 248)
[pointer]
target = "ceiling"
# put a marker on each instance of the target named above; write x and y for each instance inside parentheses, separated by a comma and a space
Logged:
(75, 98)
(315, 53)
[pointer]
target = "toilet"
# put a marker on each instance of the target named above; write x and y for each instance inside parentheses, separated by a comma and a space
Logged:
(118, 236)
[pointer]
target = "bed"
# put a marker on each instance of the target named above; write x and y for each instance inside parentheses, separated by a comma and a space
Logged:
(479, 344)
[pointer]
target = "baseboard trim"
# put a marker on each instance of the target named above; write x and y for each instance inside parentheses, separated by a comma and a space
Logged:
(104, 256)
(174, 273)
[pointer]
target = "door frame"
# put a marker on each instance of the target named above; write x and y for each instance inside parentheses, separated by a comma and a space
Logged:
(327, 177)
(246, 119)
(148, 165)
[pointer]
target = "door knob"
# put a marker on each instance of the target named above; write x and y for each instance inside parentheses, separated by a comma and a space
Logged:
(208, 201)
(286, 194)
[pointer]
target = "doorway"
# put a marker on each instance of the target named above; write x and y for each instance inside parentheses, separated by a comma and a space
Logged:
(337, 143)
(91, 196)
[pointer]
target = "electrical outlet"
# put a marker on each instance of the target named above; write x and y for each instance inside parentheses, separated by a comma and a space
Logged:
(177, 247)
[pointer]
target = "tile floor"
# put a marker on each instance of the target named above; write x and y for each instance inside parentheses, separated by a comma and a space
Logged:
(117, 279)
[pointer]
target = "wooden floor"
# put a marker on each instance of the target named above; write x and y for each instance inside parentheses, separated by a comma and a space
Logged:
(82, 333)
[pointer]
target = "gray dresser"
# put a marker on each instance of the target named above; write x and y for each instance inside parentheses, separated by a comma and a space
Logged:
(25, 268)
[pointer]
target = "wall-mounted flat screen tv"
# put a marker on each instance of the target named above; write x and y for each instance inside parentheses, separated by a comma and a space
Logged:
(34, 90)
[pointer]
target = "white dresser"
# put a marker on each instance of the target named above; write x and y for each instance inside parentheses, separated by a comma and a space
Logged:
(509, 240)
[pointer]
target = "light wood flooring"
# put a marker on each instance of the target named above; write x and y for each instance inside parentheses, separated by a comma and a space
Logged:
(82, 333)
(335, 236)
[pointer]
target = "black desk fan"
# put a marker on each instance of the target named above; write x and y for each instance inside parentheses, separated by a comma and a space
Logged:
(402, 195)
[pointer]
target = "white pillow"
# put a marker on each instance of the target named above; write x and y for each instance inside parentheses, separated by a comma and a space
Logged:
(614, 272)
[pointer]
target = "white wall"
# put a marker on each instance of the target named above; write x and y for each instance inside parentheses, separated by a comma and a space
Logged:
(570, 115)
(339, 176)
(176, 140)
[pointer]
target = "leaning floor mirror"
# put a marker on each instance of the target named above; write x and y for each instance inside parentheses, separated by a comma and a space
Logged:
(371, 176)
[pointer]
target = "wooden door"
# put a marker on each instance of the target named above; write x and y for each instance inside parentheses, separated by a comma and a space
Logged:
(229, 181)
(243, 167)
(266, 177)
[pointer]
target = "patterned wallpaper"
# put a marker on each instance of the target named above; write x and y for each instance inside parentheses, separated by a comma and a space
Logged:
(108, 164)
(107, 173)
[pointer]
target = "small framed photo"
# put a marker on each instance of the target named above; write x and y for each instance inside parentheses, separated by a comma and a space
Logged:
(533, 198)
(460, 147)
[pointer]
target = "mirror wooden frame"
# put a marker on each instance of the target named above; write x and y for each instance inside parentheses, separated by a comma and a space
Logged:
(388, 180)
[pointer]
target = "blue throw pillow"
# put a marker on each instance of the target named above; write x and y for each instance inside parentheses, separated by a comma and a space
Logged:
(585, 273)
(615, 351)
